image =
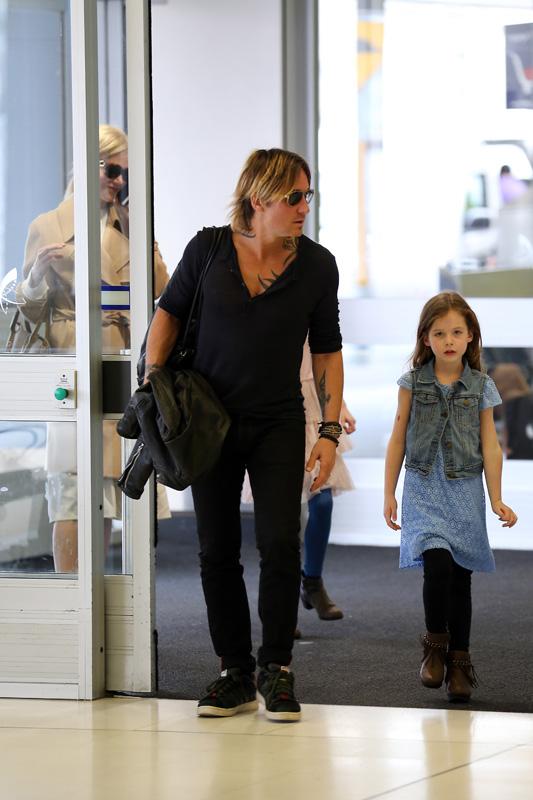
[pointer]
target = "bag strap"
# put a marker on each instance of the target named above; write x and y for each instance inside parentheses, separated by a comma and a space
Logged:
(196, 301)
(33, 333)
(36, 328)
(13, 327)
(216, 235)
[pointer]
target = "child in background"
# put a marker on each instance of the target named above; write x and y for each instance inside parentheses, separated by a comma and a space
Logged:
(320, 504)
(444, 428)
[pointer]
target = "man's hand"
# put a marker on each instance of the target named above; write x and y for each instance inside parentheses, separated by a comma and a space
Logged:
(148, 371)
(324, 452)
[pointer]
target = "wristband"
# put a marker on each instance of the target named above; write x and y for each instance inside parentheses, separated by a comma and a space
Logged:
(333, 428)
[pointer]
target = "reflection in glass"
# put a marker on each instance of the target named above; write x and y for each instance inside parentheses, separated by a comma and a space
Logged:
(512, 372)
(114, 176)
(39, 501)
(25, 531)
(443, 169)
(35, 145)
(62, 495)
(370, 389)
(46, 294)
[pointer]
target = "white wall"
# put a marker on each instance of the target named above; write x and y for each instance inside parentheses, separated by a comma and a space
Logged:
(217, 95)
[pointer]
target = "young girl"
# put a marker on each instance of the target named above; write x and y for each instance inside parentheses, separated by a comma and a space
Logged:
(445, 430)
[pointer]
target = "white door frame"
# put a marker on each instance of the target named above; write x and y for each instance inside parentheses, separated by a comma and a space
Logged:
(130, 599)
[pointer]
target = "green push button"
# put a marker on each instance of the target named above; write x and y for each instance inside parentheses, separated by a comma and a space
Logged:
(60, 393)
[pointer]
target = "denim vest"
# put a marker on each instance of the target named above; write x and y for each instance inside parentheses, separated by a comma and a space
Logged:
(452, 422)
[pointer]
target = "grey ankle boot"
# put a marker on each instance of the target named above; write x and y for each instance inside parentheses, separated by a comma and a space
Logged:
(314, 595)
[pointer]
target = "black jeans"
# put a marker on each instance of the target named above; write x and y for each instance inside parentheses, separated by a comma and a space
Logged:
(273, 451)
(447, 597)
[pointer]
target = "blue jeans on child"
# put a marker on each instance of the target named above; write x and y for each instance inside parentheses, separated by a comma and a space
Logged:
(317, 532)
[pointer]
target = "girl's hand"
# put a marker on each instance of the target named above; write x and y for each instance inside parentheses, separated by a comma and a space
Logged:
(347, 419)
(504, 513)
(390, 512)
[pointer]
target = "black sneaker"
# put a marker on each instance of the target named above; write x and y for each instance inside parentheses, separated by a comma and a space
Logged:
(230, 694)
(275, 684)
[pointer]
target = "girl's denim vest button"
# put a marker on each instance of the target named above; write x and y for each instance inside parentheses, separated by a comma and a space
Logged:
(451, 423)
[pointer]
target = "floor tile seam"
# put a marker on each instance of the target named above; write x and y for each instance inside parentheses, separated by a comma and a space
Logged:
(92, 729)
(65, 728)
(128, 730)
(421, 739)
(203, 733)
(275, 731)
(440, 773)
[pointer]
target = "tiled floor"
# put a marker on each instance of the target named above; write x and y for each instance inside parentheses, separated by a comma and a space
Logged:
(159, 750)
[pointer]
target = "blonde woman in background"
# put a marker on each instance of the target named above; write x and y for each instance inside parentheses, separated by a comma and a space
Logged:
(49, 280)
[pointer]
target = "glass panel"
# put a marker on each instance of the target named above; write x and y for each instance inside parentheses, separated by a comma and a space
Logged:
(36, 251)
(438, 152)
(38, 498)
(115, 263)
(371, 392)
(114, 193)
(26, 532)
(113, 499)
(115, 204)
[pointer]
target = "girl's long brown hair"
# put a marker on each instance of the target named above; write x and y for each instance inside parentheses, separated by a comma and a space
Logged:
(439, 306)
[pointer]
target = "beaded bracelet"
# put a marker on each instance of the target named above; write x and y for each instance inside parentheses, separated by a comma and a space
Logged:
(332, 428)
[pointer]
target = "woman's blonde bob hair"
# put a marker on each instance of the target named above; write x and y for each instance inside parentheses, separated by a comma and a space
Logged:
(268, 175)
(111, 141)
(438, 306)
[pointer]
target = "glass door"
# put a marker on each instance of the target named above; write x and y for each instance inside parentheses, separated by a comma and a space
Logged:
(70, 272)
(426, 184)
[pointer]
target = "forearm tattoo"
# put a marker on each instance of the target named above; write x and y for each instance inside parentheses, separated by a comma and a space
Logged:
(323, 396)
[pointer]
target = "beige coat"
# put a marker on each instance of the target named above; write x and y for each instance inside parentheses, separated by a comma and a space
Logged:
(58, 226)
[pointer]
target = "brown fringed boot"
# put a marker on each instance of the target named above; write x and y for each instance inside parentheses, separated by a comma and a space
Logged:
(432, 668)
(461, 676)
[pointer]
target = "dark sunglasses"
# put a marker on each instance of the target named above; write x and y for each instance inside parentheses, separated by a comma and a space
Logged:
(295, 197)
(112, 171)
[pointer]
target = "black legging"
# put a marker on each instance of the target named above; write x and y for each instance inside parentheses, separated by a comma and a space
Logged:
(447, 597)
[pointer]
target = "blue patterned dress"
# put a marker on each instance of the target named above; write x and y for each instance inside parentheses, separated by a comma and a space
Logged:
(437, 512)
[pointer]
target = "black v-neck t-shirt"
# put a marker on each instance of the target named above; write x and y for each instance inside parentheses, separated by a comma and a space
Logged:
(250, 348)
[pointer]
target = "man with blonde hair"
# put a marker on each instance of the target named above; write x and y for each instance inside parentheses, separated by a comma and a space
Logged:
(268, 287)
